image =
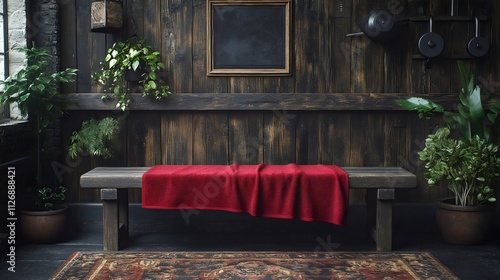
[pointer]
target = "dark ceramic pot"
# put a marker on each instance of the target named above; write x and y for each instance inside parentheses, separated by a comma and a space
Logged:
(464, 225)
(135, 76)
(44, 226)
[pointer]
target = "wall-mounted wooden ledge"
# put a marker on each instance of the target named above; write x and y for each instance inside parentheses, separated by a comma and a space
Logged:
(255, 101)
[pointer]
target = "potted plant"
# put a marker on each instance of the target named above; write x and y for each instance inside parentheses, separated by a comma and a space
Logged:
(44, 221)
(469, 168)
(94, 138)
(131, 55)
(467, 161)
(35, 89)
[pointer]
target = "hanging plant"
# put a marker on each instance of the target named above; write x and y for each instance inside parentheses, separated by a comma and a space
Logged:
(124, 56)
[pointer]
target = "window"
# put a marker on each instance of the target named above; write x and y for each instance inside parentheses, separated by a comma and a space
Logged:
(4, 57)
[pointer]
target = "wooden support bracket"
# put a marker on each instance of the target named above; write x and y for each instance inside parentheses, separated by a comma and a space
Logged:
(386, 194)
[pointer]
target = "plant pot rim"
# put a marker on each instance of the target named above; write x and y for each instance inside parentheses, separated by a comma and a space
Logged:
(448, 203)
(58, 209)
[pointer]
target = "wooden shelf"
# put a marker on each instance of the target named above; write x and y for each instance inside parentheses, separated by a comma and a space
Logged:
(256, 101)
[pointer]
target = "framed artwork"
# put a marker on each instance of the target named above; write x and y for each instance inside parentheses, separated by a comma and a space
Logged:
(248, 38)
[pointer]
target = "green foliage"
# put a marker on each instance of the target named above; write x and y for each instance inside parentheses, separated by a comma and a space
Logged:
(46, 198)
(94, 138)
(425, 108)
(469, 166)
(470, 163)
(36, 90)
(131, 55)
(470, 118)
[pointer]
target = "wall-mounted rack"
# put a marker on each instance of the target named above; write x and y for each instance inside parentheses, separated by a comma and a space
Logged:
(447, 18)
(381, 25)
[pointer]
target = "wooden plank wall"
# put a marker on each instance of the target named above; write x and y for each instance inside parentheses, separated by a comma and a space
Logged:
(325, 61)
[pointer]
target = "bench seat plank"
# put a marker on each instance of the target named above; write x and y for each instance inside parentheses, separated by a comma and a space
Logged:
(359, 177)
(113, 177)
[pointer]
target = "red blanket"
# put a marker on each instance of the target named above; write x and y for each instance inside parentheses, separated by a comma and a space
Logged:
(305, 192)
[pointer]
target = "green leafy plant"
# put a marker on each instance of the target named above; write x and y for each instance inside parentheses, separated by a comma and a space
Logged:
(470, 118)
(131, 54)
(468, 166)
(94, 138)
(35, 89)
(48, 198)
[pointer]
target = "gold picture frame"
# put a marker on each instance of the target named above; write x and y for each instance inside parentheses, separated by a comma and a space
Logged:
(248, 38)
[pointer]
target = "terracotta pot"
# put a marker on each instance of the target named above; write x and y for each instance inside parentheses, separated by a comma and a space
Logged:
(464, 225)
(44, 226)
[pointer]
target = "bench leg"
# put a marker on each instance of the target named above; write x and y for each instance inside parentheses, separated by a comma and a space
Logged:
(383, 228)
(123, 229)
(115, 217)
(371, 210)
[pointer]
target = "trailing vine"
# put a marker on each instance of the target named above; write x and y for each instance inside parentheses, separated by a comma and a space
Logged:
(131, 55)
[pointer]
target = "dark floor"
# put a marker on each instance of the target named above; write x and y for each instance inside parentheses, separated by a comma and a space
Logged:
(153, 230)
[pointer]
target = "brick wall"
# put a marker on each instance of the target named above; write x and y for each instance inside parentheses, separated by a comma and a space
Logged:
(43, 27)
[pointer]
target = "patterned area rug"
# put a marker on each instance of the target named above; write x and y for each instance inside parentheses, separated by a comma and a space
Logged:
(252, 265)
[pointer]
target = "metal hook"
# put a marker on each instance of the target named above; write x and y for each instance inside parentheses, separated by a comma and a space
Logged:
(477, 26)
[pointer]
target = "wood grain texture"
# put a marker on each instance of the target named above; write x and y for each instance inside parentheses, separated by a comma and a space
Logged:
(334, 140)
(177, 138)
(307, 138)
(177, 19)
(210, 138)
(144, 139)
(246, 138)
(279, 142)
(201, 82)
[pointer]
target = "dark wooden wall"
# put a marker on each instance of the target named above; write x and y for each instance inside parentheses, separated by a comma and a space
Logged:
(337, 107)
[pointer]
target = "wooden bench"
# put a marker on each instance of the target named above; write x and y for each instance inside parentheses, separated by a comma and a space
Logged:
(114, 183)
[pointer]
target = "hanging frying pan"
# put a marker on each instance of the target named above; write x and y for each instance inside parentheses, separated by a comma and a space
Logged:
(478, 46)
(430, 44)
(378, 25)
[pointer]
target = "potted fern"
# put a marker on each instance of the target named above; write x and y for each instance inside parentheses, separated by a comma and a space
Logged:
(94, 138)
(35, 89)
(467, 161)
(132, 55)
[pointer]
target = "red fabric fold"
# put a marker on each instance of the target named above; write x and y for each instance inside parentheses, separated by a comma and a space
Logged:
(305, 192)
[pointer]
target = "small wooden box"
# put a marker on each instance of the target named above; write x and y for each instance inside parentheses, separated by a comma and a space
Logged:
(106, 16)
